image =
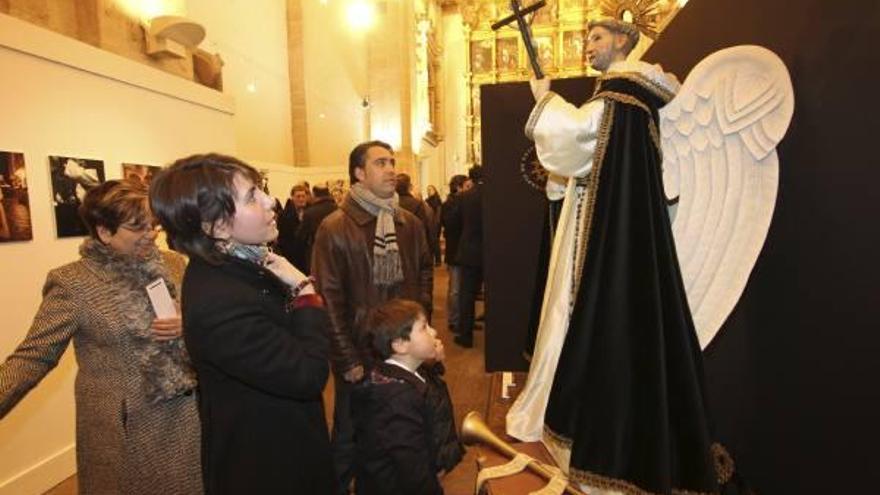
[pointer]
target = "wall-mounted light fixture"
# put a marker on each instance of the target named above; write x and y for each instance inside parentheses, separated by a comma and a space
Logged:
(172, 36)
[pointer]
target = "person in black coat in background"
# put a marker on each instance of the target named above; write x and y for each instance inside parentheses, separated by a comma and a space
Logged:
(450, 217)
(288, 244)
(255, 329)
(469, 255)
(436, 204)
(417, 207)
(321, 206)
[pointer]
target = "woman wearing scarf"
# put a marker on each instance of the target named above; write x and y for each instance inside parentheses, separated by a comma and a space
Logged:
(436, 204)
(137, 429)
(255, 328)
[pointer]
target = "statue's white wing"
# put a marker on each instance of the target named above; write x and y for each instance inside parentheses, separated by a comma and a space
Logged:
(719, 139)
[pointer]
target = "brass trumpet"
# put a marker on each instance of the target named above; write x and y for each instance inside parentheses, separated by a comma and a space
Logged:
(474, 431)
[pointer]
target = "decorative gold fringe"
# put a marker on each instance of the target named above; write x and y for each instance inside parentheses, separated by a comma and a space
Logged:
(536, 114)
(661, 92)
(723, 464)
(631, 100)
(584, 213)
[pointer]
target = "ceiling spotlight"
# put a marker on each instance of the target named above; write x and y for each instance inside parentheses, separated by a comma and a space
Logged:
(361, 14)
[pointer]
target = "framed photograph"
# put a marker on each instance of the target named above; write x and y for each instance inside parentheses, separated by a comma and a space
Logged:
(546, 48)
(71, 179)
(546, 15)
(507, 54)
(481, 56)
(141, 173)
(15, 209)
(573, 43)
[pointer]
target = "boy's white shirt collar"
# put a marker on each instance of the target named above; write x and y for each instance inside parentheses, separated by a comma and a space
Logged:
(395, 362)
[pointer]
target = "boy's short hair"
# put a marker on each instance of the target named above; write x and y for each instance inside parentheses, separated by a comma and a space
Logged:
(391, 321)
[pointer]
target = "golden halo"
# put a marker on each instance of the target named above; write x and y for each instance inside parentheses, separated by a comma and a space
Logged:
(642, 14)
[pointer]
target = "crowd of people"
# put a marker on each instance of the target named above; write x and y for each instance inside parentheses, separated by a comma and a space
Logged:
(226, 396)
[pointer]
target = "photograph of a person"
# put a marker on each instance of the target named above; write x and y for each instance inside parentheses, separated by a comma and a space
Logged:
(481, 56)
(508, 54)
(15, 210)
(71, 179)
(141, 173)
(573, 48)
(545, 46)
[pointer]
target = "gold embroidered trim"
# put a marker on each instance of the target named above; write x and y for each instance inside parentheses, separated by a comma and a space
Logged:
(585, 212)
(631, 100)
(622, 98)
(724, 465)
(536, 114)
(663, 93)
(605, 483)
(555, 438)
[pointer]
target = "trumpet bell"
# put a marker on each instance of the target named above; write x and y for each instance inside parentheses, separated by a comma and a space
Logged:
(475, 431)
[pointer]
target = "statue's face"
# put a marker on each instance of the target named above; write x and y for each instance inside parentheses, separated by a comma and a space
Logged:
(604, 47)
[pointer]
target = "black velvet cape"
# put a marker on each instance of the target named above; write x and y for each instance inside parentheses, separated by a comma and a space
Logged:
(628, 396)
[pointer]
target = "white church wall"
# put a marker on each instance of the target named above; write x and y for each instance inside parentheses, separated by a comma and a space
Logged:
(60, 96)
(336, 82)
(455, 96)
(251, 37)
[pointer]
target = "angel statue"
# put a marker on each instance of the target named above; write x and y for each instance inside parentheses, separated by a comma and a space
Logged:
(638, 287)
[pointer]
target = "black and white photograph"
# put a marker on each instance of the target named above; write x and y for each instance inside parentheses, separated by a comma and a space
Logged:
(71, 179)
(15, 211)
(140, 172)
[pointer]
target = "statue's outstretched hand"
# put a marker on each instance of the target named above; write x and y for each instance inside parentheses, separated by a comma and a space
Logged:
(540, 87)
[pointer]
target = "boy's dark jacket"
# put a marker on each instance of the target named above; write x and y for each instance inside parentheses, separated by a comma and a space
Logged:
(448, 447)
(393, 426)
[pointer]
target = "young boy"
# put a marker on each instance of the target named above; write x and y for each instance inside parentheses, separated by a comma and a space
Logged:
(393, 418)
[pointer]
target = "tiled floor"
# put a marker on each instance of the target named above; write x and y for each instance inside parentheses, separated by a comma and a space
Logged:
(468, 384)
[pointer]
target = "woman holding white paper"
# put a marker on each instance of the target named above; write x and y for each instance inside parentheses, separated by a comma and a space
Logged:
(136, 413)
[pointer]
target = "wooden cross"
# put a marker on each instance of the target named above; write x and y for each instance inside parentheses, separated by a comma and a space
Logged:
(518, 15)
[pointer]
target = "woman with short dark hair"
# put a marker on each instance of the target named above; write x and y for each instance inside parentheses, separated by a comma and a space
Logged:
(255, 328)
(137, 428)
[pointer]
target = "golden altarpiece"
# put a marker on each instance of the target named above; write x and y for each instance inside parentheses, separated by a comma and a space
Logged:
(559, 33)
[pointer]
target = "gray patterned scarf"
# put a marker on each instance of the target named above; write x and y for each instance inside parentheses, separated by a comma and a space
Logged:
(387, 268)
(255, 253)
(165, 366)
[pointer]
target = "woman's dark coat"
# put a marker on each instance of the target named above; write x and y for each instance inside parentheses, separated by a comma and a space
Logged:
(261, 370)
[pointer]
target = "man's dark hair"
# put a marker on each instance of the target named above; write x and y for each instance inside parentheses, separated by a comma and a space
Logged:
(391, 321)
(357, 157)
(456, 182)
(404, 184)
(195, 192)
(301, 187)
(320, 191)
(475, 173)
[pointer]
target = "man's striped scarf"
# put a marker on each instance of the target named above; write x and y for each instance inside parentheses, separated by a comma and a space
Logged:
(387, 268)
